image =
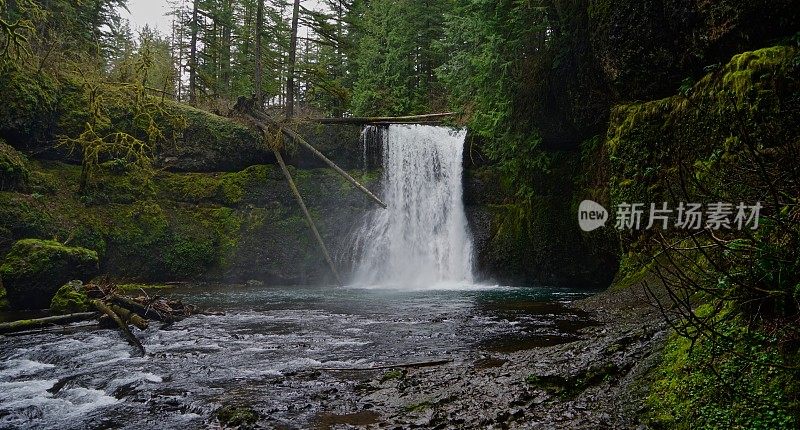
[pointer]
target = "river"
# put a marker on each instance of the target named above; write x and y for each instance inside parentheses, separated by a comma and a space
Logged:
(266, 352)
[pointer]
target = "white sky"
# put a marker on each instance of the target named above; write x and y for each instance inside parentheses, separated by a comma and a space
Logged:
(151, 12)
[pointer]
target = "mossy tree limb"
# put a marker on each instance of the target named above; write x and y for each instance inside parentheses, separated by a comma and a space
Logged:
(309, 220)
(263, 121)
(37, 323)
(126, 332)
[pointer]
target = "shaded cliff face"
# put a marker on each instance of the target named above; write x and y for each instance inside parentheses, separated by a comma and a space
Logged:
(606, 52)
(536, 240)
(230, 226)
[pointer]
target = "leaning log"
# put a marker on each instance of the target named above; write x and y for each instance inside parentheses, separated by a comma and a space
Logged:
(309, 220)
(262, 119)
(145, 311)
(32, 324)
(409, 119)
(123, 327)
(129, 316)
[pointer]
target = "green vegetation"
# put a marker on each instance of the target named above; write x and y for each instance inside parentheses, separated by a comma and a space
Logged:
(136, 287)
(70, 298)
(394, 374)
(419, 406)
(14, 173)
(3, 298)
(237, 416)
(733, 362)
(566, 387)
(34, 269)
(732, 381)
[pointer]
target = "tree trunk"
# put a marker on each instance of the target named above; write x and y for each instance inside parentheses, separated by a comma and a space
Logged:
(309, 220)
(409, 119)
(193, 55)
(128, 316)
(123, 327)
(225, 61)
(292, 61)
(31, 324)
(259, 72)
(299, 139)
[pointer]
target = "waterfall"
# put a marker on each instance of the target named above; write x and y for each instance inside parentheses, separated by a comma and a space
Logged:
(422, 238)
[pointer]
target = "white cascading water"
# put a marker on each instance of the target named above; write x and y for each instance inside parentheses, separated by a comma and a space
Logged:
(422, 239)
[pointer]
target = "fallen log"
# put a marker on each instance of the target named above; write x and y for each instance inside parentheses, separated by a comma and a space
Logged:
(123, 327)
(35, 323)
(259, 119)
(129, 316)
(409, 119)
(143, 310)
(389, 366)
(307, 215)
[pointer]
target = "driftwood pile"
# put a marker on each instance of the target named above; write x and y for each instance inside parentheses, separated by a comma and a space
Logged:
(113, 308)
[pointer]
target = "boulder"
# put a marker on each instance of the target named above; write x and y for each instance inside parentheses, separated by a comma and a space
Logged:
(70, 298)
(3, 300)
(13, 168)
(34, 270)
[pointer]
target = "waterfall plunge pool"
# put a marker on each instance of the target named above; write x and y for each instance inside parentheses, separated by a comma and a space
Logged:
(298, 355)
(267, 352)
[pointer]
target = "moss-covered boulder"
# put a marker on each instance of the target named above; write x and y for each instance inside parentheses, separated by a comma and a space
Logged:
(35, 269)
(14, 171)
(26, 111)
(646, 48)
(3, 300)
(70, 298)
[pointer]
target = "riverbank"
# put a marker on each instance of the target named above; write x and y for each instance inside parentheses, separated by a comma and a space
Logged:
(595, 382)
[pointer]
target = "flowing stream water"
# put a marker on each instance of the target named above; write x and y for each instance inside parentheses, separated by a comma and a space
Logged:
(274, 346)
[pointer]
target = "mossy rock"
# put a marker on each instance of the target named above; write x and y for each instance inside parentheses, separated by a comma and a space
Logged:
(70, 298)
(3, 300)
(35, 269)
(237, 416)
(28, 100)
(14, 173)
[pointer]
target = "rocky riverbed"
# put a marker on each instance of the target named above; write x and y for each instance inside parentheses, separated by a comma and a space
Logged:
(301, 357)
(594, 382)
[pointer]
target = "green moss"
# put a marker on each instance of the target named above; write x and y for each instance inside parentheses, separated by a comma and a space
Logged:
(70, 298)
(394, 374)
(418, 407)
(3, 298)
(138, 228)
(34, 270)
(119, 182)
(700, 135)
(137, 287)
(24, 216)
(227, 189)
(14, 172)
(571, 385)
(703, 385)
(200, 239)
(237, 416)
(28, 101)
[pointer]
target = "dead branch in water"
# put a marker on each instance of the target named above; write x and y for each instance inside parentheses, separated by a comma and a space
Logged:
(36, 323)
(123, 327)
(389, 366)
